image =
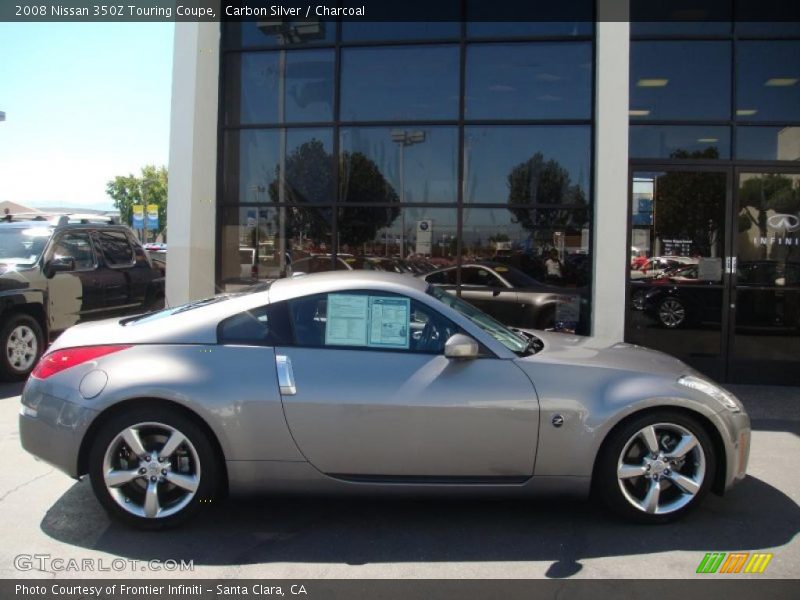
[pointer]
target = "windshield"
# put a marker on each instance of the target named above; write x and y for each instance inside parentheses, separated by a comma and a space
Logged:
(512, 340)
(516, 278)
(23, 246)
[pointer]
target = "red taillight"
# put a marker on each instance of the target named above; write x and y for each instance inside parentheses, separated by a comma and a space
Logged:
(59, 360)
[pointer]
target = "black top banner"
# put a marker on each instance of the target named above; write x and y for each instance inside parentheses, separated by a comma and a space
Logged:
(398, 10)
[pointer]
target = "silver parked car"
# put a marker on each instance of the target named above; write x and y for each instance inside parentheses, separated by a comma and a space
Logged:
(363, 382)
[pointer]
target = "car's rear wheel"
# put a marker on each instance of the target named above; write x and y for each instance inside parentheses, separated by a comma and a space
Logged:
(657, 467)
(153, 468)
(22, 342)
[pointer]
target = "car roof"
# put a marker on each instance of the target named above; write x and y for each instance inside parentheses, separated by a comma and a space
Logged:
(318, 283)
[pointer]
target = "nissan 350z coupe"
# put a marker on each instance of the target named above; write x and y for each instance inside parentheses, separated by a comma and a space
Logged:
(364, 382)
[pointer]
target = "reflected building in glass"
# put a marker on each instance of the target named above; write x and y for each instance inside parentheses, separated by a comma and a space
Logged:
(646, 174)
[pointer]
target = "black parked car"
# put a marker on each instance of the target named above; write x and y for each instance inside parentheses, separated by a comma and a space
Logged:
(54, 274)
(514, 298)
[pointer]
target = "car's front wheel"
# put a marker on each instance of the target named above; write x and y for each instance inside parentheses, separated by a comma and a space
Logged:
(657, 467)
(153, 467)
(22, 343)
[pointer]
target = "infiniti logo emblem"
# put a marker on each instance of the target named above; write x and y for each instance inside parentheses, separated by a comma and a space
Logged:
(784, 221)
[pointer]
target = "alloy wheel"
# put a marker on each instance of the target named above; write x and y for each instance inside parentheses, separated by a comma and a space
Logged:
(671, 312)
(22, 348)
(661, 468)
(151, 470)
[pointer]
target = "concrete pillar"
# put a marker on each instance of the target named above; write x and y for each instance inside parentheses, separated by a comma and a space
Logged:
(610, 253)
(191, 212)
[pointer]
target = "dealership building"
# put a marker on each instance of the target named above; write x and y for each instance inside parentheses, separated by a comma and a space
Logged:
(646, 173)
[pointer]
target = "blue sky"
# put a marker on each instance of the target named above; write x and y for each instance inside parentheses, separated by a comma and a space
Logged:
(84, 102)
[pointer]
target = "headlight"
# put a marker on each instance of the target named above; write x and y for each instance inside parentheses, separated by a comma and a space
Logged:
(724, 397)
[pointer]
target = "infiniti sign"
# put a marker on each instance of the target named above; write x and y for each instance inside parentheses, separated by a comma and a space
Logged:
(784, 221)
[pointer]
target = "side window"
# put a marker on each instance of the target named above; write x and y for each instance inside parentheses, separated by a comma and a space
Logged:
(77, 246)
(373, 320)
(479, 276)
(442, 277)
(263, 326)
(116, 248)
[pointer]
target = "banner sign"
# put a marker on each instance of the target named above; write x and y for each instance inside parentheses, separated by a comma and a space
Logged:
(138, 216)
(152, 217)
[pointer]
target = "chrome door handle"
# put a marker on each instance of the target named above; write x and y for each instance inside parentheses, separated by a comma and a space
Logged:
(285, 375)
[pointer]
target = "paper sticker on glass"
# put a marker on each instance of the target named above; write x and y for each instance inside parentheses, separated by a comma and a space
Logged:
(347, 319)
(389, 320)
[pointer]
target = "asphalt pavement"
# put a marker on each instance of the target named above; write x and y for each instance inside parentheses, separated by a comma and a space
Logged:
(43, 512)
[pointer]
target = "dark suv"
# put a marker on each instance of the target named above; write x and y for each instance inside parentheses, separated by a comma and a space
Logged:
(54, 274)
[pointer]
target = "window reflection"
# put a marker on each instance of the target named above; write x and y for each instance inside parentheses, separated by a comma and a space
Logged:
(414, 82)
(360, 31)
(307, 86)
(768, 143)
(262, 243)
(279, 33)
(550, 246)
(527, 165)
(417, 164)
(768, 81)
(679, 141)
(412, 235)
(680, 80)
(254, 158)
(529, 81)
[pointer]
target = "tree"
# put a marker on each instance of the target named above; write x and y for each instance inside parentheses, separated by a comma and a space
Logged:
(536, 182)
(690, 205)
(149, 188)
(309, 180)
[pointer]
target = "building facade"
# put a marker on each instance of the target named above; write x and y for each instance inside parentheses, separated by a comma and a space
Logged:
(645, 175)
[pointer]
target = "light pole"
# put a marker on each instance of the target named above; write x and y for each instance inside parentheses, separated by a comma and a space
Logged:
(403, 138)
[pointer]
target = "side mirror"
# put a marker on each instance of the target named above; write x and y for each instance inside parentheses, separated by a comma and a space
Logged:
(60, 265)
(460, 346)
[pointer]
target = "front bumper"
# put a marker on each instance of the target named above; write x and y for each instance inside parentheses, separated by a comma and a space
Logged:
(736, 433)
(52, 427)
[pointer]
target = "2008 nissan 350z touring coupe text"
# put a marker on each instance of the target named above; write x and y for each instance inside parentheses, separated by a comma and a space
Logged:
(365, 381)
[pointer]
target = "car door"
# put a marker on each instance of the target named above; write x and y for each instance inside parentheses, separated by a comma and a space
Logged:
(76, 295)
(368, 393)
(115, 272)
(482, 288)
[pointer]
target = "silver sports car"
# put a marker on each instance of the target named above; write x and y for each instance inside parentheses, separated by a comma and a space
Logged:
(363, 382)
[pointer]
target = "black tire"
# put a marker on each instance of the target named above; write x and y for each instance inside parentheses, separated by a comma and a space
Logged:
(206, 457)
(609, 487)
(17, 364)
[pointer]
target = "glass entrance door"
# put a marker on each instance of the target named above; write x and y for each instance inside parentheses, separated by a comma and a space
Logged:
(677, 281)
(765, 299)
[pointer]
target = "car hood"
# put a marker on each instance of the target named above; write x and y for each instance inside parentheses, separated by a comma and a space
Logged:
(564, 349)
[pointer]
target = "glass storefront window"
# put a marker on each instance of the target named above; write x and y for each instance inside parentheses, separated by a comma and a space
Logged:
(768, 143)
(400, 83)
(307, 86)
(768, 81)
(680, 80)
(529, 81)
(262, 243)
(253, 166)
(680, 141)
(279, 33)
(406, 234)
(527, 19)
(527, 164)
(364, 31)
(403, 163)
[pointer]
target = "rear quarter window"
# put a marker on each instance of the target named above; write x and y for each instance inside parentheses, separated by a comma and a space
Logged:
(263, 326)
